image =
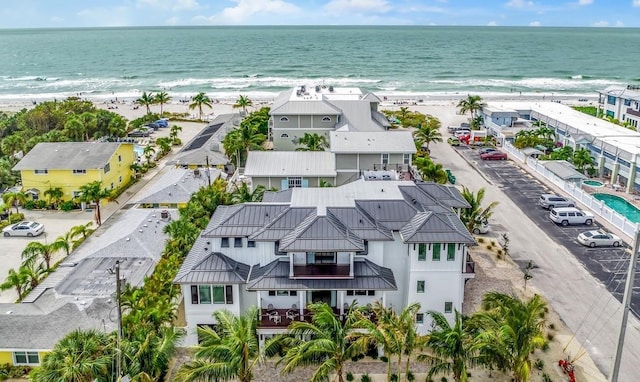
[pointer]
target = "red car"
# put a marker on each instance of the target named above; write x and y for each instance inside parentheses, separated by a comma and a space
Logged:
(494, 155)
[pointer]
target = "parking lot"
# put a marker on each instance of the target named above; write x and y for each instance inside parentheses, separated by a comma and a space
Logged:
(607, 264)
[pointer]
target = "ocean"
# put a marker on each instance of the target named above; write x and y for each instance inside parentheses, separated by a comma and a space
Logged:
(261, 61)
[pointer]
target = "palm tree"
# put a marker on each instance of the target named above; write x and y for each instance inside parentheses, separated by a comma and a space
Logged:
(325, 342)
(81, 356)
(148, 152)
(63, 243)
(54, 194)
(313, 142)
(74, 129)
(227, 354)
(13, 199)
(244, 138)
(451, 347)
(17, 280)
(242, 194)
(475, 215)
(431, 171)
(148, 353)
(243, 102)
(12, 144)
(199, 100)
(35, 250)
(173, 133)
(117, 126)
(403, 114)
(582, 158)
(512, 331)
(182, 232)
(34, 273)
(471, 104)
(162, 98)
(94, 193)
(164, 144)
(81, 230)
(89, 122)
(427, 134)
(146, 100)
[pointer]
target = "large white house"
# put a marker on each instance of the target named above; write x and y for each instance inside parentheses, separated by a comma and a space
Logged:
(621, 103)
(397, 242)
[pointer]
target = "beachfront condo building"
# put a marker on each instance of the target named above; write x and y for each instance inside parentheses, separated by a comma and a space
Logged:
(395, 242)
(70, 165)
(621, 103)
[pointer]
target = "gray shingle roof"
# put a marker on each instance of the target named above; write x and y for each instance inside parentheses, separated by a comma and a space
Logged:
(290, 163)
(321, 234)
(283, 196)
(216, 268)
(244, 220)
(176, 185)
(393, 214)
(283, 224)
(367, 276)
(429, 227)
(69, 155)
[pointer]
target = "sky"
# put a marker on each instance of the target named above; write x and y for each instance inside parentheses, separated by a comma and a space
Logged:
(122, 13)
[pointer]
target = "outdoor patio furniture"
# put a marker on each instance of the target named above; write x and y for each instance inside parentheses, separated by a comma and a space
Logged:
(292, 314)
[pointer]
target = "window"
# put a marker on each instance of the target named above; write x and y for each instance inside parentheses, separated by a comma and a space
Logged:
(420, 286)
(251, 244)
(384, 159)
(436, 252)
(107, 168)
(361, 292)
(451, 252)
(371, 293)
(237, 242)
(40, 172)
(627, 102)
(26, 357)
(284, 119)
(204, 294)
(406, 158)
(293, 293)
(419, 318)
(119, 158)
(229, 293)
(224, 243)
(422, 252)
(272, 293)
(218, 294)
(111, 185)
(448, 307)
(120, 179)
(284, 135)
(322, 257)
(611, 100)
(194, 294)
(79, 171)
(294, 181)
(326, 119)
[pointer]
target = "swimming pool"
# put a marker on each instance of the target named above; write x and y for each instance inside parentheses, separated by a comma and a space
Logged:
(592, 183)
(620, 205)
(139, 150)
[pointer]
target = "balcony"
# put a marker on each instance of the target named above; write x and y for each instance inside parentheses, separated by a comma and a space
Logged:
(633, 112)
(322, 271)
(282, 318)
(470, 267)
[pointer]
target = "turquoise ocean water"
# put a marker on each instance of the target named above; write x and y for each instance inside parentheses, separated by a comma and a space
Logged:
(262, 61)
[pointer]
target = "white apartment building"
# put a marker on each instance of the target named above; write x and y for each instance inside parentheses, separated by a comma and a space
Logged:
(621, 103)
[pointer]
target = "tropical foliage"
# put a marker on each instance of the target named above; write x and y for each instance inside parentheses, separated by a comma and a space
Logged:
(428, 133)
(250, 135)
(313, 142)
(472, 105)
(473, 216)
(94, 193)
(198, 101)
(430, 171)
(582, 158)
(541, 136)
(243, 102)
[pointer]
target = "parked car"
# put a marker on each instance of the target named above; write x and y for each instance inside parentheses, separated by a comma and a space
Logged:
(487, 150)
(552, 201)
(459, 133)
(494, 155)
(570, 215)
(138, 133)
(453, 141)
(24, 228)
(152, 126)
(162, 122)
(481, 228)
(599, 239)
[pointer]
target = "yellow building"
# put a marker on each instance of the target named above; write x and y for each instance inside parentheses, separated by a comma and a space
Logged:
(70, 165)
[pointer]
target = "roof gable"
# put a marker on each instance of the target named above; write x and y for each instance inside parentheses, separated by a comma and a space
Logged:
(393, 214)
(321, 234)
(283, 224)
(244, 220)
(429, 227)
(215, 268)
(447, 195)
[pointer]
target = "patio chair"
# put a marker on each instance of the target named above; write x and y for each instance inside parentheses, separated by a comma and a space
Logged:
(270, 307)
(294, 306)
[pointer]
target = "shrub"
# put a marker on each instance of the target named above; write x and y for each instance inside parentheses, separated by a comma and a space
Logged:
(15, 218)
(539, 364)
(480, 240)
(29, 205)
(4, 224)
(499, 252)
(41, 204)
(394, 377)
(384, 359)
(552, 326)
(550, 336)
(493, 243)
(546, 378)
(489, 247)
(67, 205)
(350, 377)
(410, 376)
(545, 346)
(365, 378)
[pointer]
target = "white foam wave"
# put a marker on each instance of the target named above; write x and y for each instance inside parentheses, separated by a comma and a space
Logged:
(542, 83)
(263, 82)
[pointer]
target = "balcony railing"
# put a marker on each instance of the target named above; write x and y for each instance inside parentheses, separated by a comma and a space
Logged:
(470, 267)
(323, 271)
(633, 112)
(282, 318)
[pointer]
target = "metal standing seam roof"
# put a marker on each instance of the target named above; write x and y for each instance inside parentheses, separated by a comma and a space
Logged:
(69, 155)
(283, 224)
(445, 194)
(243, 220)
(358, 116)
(308, 106)
(429, 227)
(290, 163)
(393, 214)
(621, 91)
(216, 268)
(283, 196)
(421, 200)
(321, 234)
(353, 142)
(563, 169)
(360, 223)
(367, 276)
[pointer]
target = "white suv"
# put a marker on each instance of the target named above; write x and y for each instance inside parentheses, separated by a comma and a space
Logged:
(551, 201)
(570, 215)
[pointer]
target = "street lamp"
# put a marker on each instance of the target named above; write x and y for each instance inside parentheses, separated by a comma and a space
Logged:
(116, 272)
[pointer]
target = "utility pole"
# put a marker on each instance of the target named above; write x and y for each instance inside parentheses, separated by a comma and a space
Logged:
(119, 334)
(626, 306)
(208, 171)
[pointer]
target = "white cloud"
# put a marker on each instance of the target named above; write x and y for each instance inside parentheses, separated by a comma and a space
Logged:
(584, 2)
(174, 5)
(246, 9)
(519, 4)
(619, 24)
(636, 3)
(492, 24)
(535, 24)
(341, 6)
(600, 24)
(104, 17)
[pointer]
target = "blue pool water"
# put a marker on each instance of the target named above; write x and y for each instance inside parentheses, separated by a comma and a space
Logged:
(620, 205)
(593, 183)
(138, 150)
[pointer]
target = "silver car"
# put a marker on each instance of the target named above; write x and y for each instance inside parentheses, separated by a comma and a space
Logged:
(599, 239)
(29, 229)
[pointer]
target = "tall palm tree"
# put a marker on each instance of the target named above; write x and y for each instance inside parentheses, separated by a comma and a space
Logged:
(12, 144)
(74, 129)
(13, 199)
(16, 280)
(242, 194)
(162, 98)
(430, 170)
(427, 134)
(476, 214)
(512, 331)
(451, 347)
(244, 138)
(83, 230)
(146, 100)
(403, 114)
(227, 354)
(148, 152)
(243, 102)
(81, 356)
(94, 193)
(34, 273)
(54, 194)
(582, 158)
(148, 353)
(471, 104)
(36, 250)
(313, 142)
(198, 101)
(63, 243)
(325, 342)
(89, 122)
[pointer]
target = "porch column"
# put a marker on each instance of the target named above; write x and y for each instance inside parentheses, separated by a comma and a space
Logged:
(384, 299)
(301, 298)
(600, 164)
(632, 174)
(259, 296)
(290, 265)
(350, 264)
(341, 301)
(614, 173)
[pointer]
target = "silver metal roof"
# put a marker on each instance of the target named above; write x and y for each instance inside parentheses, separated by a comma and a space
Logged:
(215, 268)
(321, 234)
(367, 276)
(290, 163)
(316, 106)
(283, 196)
(563, 169)
(393, 214)
(360, 223)
(400, 142)
(243, 220)
(283, 224)
(446, 194)
(429, 227)
(69, 155)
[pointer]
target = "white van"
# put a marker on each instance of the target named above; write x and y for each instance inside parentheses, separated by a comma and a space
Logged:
(570, 215)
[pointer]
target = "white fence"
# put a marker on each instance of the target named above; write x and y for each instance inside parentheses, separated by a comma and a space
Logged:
(575, 191)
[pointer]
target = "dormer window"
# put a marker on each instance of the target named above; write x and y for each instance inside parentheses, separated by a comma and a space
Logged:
(326, 119)
(284, 119)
